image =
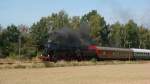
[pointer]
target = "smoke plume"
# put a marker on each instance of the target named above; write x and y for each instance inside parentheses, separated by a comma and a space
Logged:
(69, 36)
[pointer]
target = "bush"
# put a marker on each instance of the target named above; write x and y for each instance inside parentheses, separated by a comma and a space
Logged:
(29, 53)
(3, 54)
(49, 64)
(94, 60)
(13, 56)
(20, 66)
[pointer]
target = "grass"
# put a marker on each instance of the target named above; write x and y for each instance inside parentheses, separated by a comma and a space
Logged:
(99, 74)
(34, 64)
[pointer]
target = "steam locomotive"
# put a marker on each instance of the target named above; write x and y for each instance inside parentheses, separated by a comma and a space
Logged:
(55, 52)
(68, 52)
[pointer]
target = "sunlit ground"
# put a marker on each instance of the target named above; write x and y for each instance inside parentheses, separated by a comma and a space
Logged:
(100, 74)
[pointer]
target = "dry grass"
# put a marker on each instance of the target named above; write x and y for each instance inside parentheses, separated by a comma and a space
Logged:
(35, 64)
(100, 74)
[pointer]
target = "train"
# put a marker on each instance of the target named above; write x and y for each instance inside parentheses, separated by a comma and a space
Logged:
(122, 53)
(54, 52)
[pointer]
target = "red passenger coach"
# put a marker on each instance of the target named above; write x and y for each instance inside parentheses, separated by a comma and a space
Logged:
(114, 53)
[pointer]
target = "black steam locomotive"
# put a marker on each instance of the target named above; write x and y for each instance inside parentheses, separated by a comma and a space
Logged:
(67, 52)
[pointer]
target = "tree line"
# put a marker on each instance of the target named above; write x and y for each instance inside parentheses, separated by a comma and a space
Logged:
(30, 40)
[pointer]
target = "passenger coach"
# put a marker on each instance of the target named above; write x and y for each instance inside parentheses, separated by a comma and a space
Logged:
(114, 53)
(141, 54)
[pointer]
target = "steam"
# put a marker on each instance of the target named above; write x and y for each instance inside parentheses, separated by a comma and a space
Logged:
(120, 12)
(69, 36)
(123, 12)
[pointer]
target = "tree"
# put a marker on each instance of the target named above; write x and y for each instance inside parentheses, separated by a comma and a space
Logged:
(9, 41)
(27, 48)
(58, 20)
(39, 33)
(0, 28)
(147, 39)
(0, 41)
(99, 29)
(123, 35)
(104, 35)
(142, 37)
(115, 35)
(93, 19)
(75, 22)
(132, 35)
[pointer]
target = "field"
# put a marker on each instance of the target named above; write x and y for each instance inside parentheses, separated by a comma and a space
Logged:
(98, 74)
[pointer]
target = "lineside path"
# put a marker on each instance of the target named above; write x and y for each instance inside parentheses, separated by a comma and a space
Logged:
(100, 74)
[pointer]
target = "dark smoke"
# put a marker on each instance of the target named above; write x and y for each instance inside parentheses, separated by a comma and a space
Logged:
(69, 36)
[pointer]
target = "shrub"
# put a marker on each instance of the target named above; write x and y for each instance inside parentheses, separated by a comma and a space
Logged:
(94, 60)
(28, 53)
(49, 64)
(19, 66)
(13, 56)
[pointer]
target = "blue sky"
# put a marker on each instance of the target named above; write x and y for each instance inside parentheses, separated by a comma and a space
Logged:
(30, 11)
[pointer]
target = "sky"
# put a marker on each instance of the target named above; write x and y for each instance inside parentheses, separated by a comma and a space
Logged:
(29, 11)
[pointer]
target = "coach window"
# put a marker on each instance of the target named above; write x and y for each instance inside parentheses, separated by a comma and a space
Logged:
(129, 53)
(124, 53)
(98, 51)
(145, 54)
(142, 54)
(139, 54)
(104, 52)
(136, 54)
(118, 53)
(113, 53)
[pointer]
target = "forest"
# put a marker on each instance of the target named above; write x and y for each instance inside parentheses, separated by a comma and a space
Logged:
(28, 41)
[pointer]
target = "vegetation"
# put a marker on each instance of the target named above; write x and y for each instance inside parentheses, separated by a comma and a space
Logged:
(29, 64)
(100, 74)
(27, 42)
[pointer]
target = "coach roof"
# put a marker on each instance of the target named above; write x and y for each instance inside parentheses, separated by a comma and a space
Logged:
(114, 49)
(140, 50)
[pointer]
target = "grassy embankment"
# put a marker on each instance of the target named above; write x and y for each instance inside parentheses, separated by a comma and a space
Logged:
(11, 64)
